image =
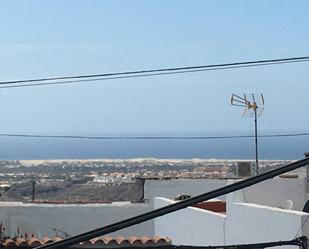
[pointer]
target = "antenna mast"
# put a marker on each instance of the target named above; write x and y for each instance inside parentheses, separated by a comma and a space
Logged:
(253, 107)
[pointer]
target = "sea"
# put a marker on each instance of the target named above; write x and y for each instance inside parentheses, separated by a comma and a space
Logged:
(281, 148)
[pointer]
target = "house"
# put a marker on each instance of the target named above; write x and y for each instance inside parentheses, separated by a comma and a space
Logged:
(269, 211)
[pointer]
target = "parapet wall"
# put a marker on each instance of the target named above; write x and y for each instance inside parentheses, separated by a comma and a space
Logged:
(41, 219)
(277, 192)
(190, 226)
(243, 224)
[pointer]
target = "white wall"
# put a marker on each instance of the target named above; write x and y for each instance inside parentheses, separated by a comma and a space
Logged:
(244, 223)
(252, 223)
(172, 188)
(74, 218)
(40, 219)
(190, 226)
(274, 193)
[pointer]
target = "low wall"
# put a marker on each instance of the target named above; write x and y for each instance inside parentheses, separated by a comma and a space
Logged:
(190, 226)
(243, 224)
(40, 219)
(275, 193)
(252, 223)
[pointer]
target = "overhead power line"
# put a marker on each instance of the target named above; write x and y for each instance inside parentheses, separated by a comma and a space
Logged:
(147, 73)
(62, 82)
(153, 137)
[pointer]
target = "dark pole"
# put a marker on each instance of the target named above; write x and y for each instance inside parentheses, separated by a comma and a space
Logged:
(174, 207)
(256, 142)
(33, 190)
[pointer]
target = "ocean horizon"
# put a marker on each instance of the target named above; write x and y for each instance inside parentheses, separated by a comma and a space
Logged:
(283, 148)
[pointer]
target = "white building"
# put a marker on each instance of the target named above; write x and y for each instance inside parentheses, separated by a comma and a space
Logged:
(269, 211)
(41, 219)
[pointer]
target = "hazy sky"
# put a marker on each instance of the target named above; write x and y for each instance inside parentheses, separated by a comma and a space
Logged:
(56, 38)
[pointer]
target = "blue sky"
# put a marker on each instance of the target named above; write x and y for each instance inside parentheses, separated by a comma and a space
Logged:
(56, 38)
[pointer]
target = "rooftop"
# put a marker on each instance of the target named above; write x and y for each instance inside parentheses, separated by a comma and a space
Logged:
(104, 242)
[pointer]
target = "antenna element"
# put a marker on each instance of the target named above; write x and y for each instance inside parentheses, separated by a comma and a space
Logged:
(253, 107)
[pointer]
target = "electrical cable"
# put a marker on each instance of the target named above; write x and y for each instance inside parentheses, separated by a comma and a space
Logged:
(153, 137)
(147, 73)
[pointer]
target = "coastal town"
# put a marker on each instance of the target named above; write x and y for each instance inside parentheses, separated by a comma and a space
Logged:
(123, 170)
(108, 180)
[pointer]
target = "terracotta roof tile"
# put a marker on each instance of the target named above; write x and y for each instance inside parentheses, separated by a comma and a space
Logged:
(160, 240)
(34, 242)
(135, 241)
(97, 241)
(47, 240)
(56, 239)
(21, 242)
(8, 243)
(101, 242)
(110, 240)
(132, 239)
(122, 240)
(147, 240)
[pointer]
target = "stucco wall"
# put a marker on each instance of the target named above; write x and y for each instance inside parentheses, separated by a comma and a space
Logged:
(252, 223)
(190, 226)
(274, 192)
(244, 223)
(40, 219)
(172, 188)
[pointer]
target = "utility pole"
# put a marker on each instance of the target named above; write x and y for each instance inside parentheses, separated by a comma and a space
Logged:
(256, 140)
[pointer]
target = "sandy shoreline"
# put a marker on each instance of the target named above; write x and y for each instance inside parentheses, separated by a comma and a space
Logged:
(141, 160)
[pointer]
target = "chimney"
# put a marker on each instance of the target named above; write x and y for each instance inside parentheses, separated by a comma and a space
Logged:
(243, 169)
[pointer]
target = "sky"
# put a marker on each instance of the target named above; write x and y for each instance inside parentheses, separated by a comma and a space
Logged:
(63, 38)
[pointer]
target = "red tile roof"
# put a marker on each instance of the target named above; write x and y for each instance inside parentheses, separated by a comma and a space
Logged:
(102, 242)
(214, 206)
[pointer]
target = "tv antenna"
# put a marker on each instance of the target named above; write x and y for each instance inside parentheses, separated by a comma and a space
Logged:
(253, 107)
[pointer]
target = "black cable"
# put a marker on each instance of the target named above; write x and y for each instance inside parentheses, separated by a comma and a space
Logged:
(153, 137)
(300, 242)
(142, 75)
(151, 72)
